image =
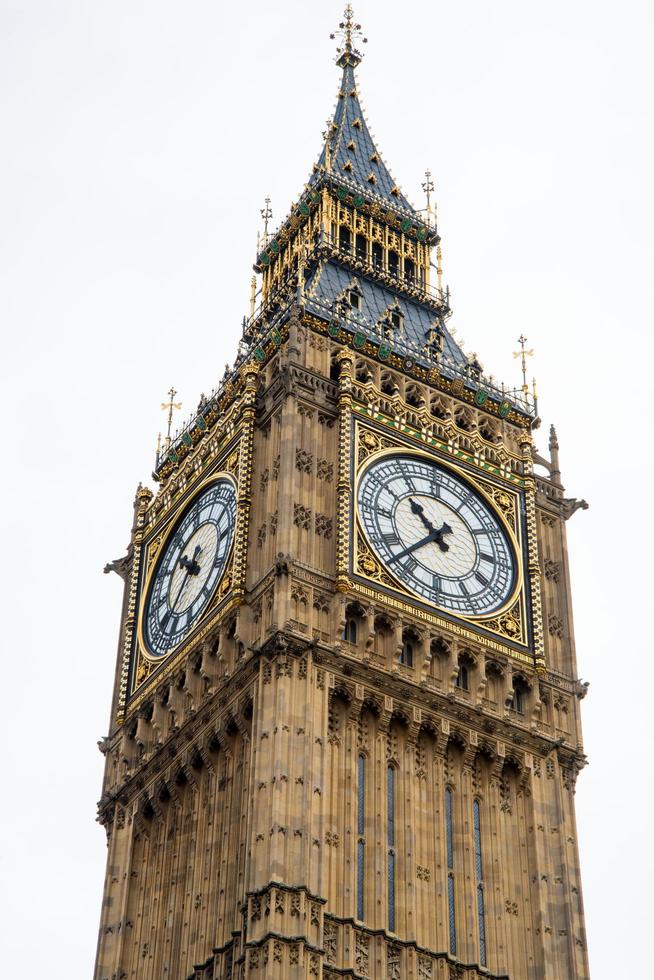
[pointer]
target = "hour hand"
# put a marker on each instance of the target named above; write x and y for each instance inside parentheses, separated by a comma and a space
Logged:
(445, 529)
(420, 511)
(190, 564)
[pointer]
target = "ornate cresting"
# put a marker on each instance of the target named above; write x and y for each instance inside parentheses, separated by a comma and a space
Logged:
(345, 359)
(143, 498)
(533, 564)
(250, 373)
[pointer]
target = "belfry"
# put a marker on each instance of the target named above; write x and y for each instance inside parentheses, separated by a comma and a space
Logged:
(345, 728)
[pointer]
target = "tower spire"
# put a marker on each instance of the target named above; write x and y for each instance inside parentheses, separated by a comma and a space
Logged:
(347, 33)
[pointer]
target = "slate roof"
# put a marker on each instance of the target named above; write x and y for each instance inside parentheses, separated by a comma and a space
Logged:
(328, 283)
(351, 143)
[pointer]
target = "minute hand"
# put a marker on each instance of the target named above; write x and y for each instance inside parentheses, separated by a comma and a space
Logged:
(435, 535)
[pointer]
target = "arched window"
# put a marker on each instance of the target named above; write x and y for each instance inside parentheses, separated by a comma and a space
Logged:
(409, 269)
(462, 678)
(361, 844)
(350, 630)
(390, 824)
(519, 696)
(479, 872)
(377, 256)
(451, 893)
(362, 247)
(344, 238)
(393, 262)
(406, 657)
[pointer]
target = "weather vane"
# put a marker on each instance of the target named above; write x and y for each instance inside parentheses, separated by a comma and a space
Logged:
(347, 32)
(169, 406)
(266, 214)
(524, 354)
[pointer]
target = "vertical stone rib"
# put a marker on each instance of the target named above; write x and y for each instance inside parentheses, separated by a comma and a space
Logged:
(345, 359)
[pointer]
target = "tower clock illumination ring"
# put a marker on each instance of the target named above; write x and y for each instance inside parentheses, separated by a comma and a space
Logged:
(436, 534)
(190, 568)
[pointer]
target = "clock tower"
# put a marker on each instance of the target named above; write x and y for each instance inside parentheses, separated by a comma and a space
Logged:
(345, 725)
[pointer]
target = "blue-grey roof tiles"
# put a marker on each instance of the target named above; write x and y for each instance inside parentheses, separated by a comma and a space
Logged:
(329, 283)
(353, 152)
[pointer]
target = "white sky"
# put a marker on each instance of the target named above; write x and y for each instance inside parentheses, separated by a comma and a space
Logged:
(139, 138)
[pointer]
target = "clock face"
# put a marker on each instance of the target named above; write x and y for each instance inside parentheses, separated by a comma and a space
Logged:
(435, 534)
(190, 568)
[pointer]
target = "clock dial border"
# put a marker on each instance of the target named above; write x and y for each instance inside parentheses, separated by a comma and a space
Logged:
(482, 483)
(154, 660)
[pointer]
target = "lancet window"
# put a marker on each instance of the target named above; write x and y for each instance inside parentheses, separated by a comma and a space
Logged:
(361, 844)
(390, 825)
(479, 874)
(451, 890)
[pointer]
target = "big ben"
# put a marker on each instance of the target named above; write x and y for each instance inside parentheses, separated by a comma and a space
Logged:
(345, 726)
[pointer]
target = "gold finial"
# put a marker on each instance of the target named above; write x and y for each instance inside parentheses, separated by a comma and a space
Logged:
(348, 31)
(170, 406)
(327, 136)
(428, 188)
(266, 214)
(253, 296)
(524, 354)
(439, 268)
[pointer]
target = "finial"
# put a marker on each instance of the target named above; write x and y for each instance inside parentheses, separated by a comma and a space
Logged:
(428, 188)
(170, 406)
(348, 31)
(327, 136)
(439, 268)
(158, 453)
(524, 354)
(266, 214)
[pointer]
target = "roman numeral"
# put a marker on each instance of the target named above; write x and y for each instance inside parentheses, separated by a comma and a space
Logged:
(481, 578)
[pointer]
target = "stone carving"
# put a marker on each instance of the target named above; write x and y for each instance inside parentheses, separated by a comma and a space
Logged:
(325, 470)
(552, 570)
(362, 954)
(324, 526)
(303, 461)
(425, 968)
(555, 626)
(329, 942)
(302, 516)
(393, 963)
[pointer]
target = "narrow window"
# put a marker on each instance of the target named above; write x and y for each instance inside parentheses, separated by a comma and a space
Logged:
(362, 247)
(396, 319)
(377, 255)
(344, 238)
(479, 871)
(355, 300)
(390, 821)
(393, 262)
(406, 657)
(361, 844)
(409, 269)
(462, 677)
(350, 630)
(450, 870)
(518, 701)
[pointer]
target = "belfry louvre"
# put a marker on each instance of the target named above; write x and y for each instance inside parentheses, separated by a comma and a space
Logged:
(345, 725)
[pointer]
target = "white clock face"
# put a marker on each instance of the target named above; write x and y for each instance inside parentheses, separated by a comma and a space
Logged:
(190, 568)
(437, 535)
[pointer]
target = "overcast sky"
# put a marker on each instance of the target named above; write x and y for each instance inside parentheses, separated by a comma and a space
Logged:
(139, 139)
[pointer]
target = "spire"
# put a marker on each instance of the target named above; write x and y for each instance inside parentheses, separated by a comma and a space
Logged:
(350, 152)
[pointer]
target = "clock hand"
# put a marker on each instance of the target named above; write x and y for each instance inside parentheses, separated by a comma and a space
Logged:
(435, 535)
(192, 568)
(420, 511)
